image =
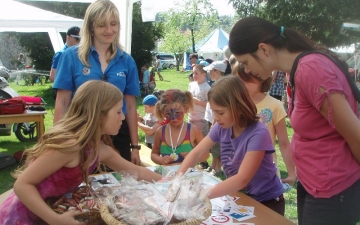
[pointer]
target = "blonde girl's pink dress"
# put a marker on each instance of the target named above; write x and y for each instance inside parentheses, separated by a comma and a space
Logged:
(14, 212)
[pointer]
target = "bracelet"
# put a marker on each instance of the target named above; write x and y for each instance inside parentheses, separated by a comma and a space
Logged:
(135, 147)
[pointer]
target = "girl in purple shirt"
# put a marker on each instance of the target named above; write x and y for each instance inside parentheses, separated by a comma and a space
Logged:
(326, 140)
(246, 147)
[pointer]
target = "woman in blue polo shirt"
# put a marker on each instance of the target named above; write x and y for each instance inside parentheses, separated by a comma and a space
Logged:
(99, 56)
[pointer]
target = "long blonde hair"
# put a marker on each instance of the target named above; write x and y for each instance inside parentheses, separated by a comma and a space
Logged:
(81, 123)
(97, 12)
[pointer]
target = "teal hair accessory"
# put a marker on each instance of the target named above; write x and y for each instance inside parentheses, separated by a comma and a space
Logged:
(282, 28)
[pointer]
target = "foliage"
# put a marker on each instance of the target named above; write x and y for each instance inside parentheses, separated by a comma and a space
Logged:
(10, 49)
(185, 26)
(144, 36)
(38, 45)
(320, 20)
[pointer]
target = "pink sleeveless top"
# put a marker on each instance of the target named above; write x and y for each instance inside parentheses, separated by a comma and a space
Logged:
(14, 212)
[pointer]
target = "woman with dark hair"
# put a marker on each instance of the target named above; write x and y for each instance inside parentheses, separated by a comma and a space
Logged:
(326, 141)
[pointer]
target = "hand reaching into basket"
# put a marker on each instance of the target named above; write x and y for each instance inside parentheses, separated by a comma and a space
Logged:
(68, 218)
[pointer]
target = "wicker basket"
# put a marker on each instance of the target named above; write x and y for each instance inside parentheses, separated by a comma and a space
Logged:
(110, 220)
(90, 218)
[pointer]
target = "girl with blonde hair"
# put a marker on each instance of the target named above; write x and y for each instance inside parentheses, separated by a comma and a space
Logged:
(245, 144)
(66, 154)
(99, 56)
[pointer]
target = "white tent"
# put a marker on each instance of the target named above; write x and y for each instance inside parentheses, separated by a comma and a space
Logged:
(212, 45)
(19, 17)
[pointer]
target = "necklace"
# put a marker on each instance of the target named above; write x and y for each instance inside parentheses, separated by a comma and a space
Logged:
(173, 154)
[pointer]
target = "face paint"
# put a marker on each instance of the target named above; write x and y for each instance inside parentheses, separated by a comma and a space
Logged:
(175, 113)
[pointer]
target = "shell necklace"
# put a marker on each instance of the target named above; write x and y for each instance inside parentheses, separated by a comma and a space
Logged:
(173, 154)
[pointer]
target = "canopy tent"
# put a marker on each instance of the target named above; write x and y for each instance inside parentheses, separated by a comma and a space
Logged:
(125, 8)
(210, 47)
(19, 17)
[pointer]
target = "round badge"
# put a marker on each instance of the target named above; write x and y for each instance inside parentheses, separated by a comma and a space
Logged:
(220, 219)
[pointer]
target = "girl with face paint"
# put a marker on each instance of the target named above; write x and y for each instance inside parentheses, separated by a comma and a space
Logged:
(174, 140)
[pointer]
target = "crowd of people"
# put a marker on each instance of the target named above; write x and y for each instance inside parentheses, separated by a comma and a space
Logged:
(234, 112)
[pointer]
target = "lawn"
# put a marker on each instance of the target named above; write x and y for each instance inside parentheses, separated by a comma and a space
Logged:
(172, 79)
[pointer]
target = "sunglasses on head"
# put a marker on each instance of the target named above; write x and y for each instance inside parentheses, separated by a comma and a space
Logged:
(76, 37)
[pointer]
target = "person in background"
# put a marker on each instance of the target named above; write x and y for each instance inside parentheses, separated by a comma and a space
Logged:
(21, 66)
(149, 123)
(326, 141)
(99, 56)
(176, 138)
(72, 38)
(272, 114)
(247, 162)
(194, 59)
(158, 68)
(227, 54)
(277, 88)
(145, 78)
(232, 61)
(70, 151)
(216, 71)
(199, 89)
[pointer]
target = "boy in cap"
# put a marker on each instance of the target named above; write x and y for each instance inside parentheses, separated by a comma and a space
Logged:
(72, 38)
(217, 70)
(149, 123)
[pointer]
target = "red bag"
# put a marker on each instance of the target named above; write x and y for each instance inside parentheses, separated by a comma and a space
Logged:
(14, 105)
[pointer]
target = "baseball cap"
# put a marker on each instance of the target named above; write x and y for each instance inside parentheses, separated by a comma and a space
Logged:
(216, 65)
(150, 100)
(73, 32)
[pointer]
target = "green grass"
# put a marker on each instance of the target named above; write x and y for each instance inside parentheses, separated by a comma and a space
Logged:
(172, 79)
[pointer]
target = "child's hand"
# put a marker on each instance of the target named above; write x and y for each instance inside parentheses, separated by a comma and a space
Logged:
(290, 180)
(195, 100)
(68, 218)
(184, 154)
(166, 160)
(139, 118)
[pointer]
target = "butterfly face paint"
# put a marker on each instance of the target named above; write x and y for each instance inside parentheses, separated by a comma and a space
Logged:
(175, 112)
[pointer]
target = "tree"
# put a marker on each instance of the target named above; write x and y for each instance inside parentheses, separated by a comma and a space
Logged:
(185, 26)
(38, 45)
(144, 36)
(320, 20)
(193, 14)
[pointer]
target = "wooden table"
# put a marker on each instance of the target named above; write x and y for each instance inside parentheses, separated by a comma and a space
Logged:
(37, 117)
(145, 156)
(264, 215)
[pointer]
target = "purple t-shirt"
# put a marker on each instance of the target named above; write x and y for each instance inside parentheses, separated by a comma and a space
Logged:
(265, 185)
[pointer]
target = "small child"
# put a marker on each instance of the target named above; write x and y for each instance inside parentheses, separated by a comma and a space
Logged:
(148, 124)
(145, 78)
(199, 89)
(246, 146)
(66, 154)
(216, 70)
(272, 113)
(174, 140)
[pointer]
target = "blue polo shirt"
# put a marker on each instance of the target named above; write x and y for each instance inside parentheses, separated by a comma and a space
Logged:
(121, 72)
(57, 56)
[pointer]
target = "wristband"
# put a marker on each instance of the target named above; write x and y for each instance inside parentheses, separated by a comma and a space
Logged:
(135, 147)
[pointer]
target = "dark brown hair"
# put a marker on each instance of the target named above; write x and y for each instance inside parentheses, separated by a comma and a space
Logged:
(249, 32)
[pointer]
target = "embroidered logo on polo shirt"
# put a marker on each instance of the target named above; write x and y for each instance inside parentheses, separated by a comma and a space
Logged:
(86, 71)
(120, 74)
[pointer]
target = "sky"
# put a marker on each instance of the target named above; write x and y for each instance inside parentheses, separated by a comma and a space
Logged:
(221, 6)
